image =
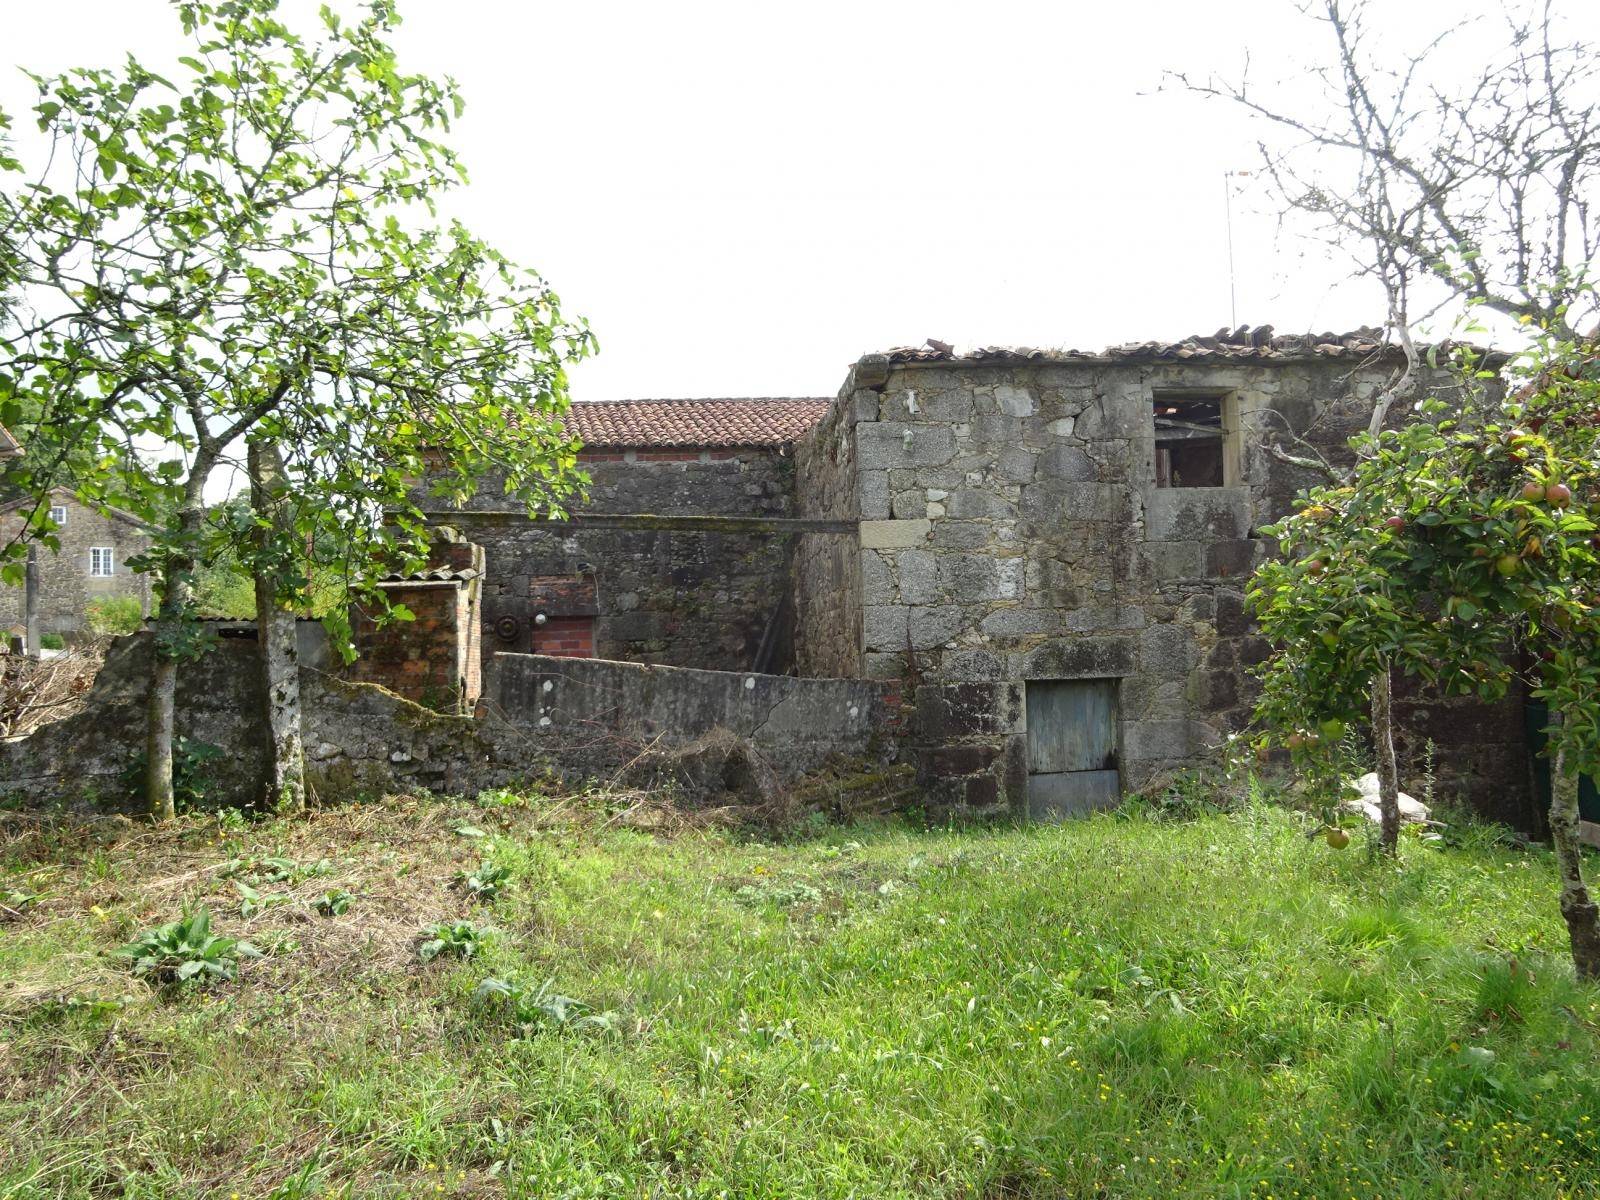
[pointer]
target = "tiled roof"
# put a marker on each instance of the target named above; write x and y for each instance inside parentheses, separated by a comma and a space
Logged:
(748, 421)
(1241, 344)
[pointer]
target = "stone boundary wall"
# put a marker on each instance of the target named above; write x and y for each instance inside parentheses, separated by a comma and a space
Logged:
(604, 712)
(595, 717)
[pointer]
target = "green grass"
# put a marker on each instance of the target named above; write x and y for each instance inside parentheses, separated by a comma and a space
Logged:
(1117, 1007)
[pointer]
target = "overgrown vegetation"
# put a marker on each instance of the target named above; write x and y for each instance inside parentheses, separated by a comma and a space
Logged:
(1207, 1004)
(112, 616)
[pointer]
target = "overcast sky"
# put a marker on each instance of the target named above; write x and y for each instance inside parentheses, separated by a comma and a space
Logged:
(742, 198)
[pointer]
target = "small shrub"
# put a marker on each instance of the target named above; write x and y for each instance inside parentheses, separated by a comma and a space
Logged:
(460, 939)
(273, 869)
(485, 883)
(1187, 796)
(252, 902)
(541, 1008)
(113, 616)
(52, 641)
(186, 951)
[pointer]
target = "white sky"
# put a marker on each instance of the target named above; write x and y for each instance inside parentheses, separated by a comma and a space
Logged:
(744, 197)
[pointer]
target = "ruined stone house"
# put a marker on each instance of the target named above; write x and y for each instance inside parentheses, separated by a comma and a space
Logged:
(1017, 575)
(1045, 550)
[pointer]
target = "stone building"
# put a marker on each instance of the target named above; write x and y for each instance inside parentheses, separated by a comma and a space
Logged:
(1047, 549)
(680, 554)
(1053, 548)
(91, 564)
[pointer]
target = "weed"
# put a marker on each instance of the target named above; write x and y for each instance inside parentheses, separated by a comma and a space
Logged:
(252, 901)
(459, 939)
(191, 772)
(782, 893)
(543, 1008)
(186, 951)
(485, 883)
(334, 903)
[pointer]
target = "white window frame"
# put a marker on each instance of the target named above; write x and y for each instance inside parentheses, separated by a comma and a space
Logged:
(102, 562)
(58, 515)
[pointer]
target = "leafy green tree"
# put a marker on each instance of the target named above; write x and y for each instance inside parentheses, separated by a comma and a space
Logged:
(1465, 542)
(252, 253)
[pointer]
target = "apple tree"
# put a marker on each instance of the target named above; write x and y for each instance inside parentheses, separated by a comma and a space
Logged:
(1465, 545)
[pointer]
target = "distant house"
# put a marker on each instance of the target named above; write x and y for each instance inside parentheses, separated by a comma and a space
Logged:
(92, 563)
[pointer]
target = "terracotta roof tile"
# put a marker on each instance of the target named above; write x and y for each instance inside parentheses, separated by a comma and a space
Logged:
(1241, 344)
(746, 421)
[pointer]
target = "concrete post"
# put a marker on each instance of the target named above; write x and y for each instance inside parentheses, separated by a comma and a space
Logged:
(30, 603)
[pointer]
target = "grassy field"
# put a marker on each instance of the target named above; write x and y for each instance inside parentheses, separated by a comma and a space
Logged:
(1118, 1007)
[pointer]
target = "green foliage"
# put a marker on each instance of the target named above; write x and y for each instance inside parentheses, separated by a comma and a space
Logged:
(253, 901)
(783, 893)
(113, 616)
(334, 903)
(192, 780)
(485, 882)
(1044, 1013)
(1463, 536)
(52, 641)
(273, 868)
(251, 250)
(458, 939)
(543, 1008)
(186, 951)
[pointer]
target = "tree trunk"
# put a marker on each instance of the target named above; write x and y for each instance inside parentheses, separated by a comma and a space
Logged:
(1388, 773)
(1577, 909)
(275, 626)
(177, 592)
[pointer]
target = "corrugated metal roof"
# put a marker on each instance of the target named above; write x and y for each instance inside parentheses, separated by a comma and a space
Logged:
(715, 422)
(442, 573)
(1243, 344)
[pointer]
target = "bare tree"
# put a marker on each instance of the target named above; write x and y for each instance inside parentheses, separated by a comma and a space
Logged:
(1447, 184)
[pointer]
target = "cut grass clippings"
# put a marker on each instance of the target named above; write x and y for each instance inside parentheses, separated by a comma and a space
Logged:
(1114, 1007)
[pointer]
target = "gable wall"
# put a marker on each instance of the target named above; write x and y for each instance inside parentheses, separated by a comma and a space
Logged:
(706, 598)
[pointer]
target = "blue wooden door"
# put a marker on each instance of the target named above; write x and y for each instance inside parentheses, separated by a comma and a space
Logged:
(1072, 746)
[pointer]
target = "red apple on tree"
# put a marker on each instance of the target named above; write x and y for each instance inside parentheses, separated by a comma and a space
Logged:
(1558, 494)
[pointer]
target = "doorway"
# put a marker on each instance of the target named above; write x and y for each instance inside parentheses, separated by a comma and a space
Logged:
(1072, 747)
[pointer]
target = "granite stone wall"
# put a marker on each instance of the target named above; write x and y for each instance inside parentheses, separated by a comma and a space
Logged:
(590, 711)
(578, 717)
(712, 597)
(1012, 530)
(826, 571)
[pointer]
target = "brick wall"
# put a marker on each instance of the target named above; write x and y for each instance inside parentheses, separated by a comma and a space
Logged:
(436, 658)
(565, 637)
